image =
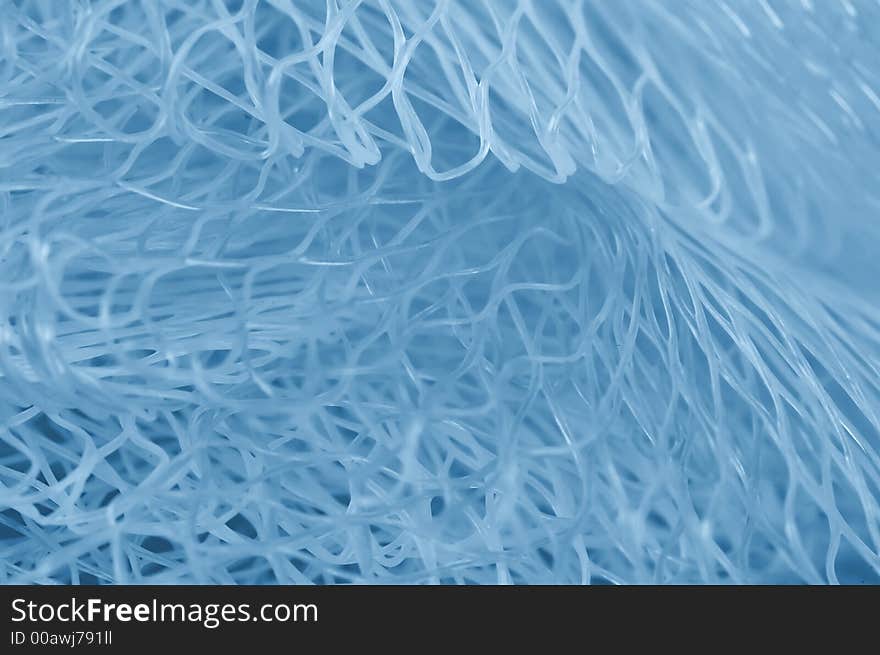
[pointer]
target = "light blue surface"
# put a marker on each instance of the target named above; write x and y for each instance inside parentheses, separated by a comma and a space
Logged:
(467, 291)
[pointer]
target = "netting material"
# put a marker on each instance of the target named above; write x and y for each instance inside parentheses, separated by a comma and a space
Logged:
(434, 292)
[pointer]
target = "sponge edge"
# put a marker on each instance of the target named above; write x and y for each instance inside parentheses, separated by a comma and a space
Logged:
(400, 291)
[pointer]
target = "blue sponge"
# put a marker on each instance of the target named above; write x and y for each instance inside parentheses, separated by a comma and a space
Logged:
(439, 291)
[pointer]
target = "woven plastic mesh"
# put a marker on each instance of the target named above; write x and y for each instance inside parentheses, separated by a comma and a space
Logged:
(453, 291)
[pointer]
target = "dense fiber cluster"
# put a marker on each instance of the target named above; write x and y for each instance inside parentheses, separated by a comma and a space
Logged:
(439, 291)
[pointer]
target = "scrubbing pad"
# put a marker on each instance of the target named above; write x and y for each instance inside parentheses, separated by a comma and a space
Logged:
(439, 291)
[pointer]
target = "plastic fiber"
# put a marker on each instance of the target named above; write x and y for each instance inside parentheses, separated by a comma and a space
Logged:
(439, 291)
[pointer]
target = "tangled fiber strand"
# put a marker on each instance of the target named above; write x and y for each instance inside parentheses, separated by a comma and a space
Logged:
(439, 291)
